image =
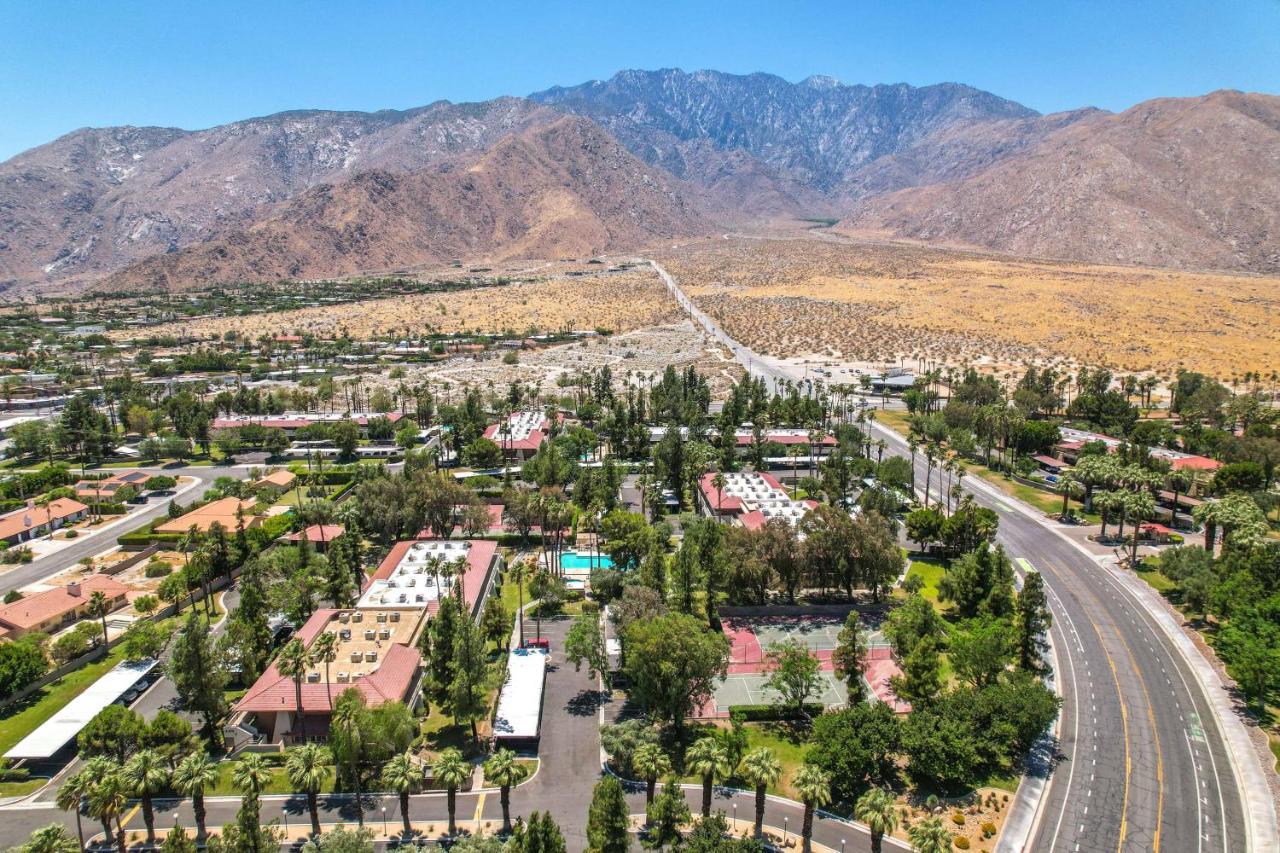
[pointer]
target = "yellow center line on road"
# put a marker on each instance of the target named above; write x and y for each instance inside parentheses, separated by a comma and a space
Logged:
(479, 809)
(1155, 734)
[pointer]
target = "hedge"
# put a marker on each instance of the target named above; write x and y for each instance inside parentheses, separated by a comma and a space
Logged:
(761, 713)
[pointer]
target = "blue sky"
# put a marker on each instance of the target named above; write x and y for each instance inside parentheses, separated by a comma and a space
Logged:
(73, 63)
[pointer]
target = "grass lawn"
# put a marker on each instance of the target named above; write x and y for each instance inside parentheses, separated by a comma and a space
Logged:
(279, 783)
(1275, 749)
(930, 571)
(20, 720)
(788, 745)
(1007, 782)
(898, 420)
(1149, 571)
(21, 789)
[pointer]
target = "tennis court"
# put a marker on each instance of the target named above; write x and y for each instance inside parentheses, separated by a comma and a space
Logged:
(750, 689)
(750, 638)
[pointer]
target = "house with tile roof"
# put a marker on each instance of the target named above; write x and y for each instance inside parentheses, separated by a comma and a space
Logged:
(32, 521)
(55, 609)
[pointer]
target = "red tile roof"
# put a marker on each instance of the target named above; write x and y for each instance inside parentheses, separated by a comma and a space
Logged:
(318, 533)
(479, 556)
(28, 518)
(26, 613)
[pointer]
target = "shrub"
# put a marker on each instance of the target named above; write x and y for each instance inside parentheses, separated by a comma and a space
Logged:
(72, 534)
(961, 842)
(760, 713)
(157, 569)
(957, 818)
(988, 829)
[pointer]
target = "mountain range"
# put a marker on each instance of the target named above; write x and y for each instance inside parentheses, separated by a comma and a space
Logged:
(636, 160)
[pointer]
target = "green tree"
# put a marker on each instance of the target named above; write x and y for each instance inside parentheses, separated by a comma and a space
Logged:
(981, 650)
(849, 656)
(651, 764)
(665, 815)
(876, 808)
(709, 759)
(49, 839)
(584, 643)
(467, 696)
(921, 677)
(115, 731)
(673, 664)
(72, 796)
(761, 768)
(107, 800)
(793, 675)
(609, 819)
(147, 775)
(404, 777)
(504, 770)
(856, 744)
(351, 726)
(194, 775)
(307, 768)
(1031, 624)
(451, 770)
(814, 787)
(198, 674)
(930, 836)
(176, 840)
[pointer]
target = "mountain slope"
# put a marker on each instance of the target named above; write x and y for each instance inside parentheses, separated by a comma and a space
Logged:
(96, 200)
(817, 132)
(1190, 182)
(564, 188)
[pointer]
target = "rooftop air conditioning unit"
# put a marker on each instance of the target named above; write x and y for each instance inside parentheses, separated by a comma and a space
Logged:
(371, 656)
(355, 657)
(344, 618)
(357, 617)
(395, 617)
(368, 635)
(345, 633)
(343, 677)
(313, 677)
(382, 617)
(385, 634)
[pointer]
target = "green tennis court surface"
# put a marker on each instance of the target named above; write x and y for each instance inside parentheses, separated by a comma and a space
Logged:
(751, 690)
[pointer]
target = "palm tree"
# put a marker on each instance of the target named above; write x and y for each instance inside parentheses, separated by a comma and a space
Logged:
(451, 770)
(325, 650)
(1067, 486)
(762, 769)
(652, 764)
(294, 661)
(520, 573)
(98, 608)
(251, 775)
(709, 759)
(49, 839)
(348, 720)
(1140, 506)
(718, 483)
(107, 801)
(71, 796)
(1179, 482)
(503, 770)
(307, 767)
(876, 809)
(193, 776)
(930, 836)
(146, 774)
(404, 777)
(814, 787)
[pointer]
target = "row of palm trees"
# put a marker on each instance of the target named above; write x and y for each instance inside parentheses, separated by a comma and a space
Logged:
(102, 790)
(711, 760)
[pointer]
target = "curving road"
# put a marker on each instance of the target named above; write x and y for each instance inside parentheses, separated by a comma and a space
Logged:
(1151, 755)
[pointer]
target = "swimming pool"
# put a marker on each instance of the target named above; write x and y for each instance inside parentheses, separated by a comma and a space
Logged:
(574, 560)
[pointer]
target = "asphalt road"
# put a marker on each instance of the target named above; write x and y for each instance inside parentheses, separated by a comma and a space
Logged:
(1143, 762)
(88, 546)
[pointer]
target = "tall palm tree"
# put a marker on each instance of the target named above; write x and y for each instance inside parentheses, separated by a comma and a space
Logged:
(193, 776)
(761, 768)
(349, 721)
(107, 801)
(1067, 486)
(404, 777)
(71, 797)
(652, 764)
(451, 770)
(814, 787)
(98, 608)
(876, 809)
(519, 573)
(325, 650)
(930, 836)
(251, 775)
(294, 662)
(307, 767)
(709, 759)
(146, 774)
(503, 770)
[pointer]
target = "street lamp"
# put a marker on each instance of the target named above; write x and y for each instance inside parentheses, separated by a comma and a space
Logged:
(841, 845)
(784, 831)
(384, 820)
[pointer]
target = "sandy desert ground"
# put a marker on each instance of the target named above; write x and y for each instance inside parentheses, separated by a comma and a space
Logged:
(877, 303)
(620, 301)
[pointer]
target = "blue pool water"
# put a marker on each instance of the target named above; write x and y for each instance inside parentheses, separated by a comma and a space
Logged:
(574, 560)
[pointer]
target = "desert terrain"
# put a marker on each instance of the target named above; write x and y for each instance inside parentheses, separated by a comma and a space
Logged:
(842, 300)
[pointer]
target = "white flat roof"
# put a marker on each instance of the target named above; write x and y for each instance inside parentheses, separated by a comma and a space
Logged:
(520, 704)
(62, 728)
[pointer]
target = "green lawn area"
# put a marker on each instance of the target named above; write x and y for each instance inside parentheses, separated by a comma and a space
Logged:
(787, 744)
(22, 719)
(21, 789)
(1275, 749)
(897, 420)
(279, 783)
(930, 571)
(1149, 571)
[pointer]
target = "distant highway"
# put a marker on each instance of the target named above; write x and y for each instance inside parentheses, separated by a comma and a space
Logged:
(1151, 755)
